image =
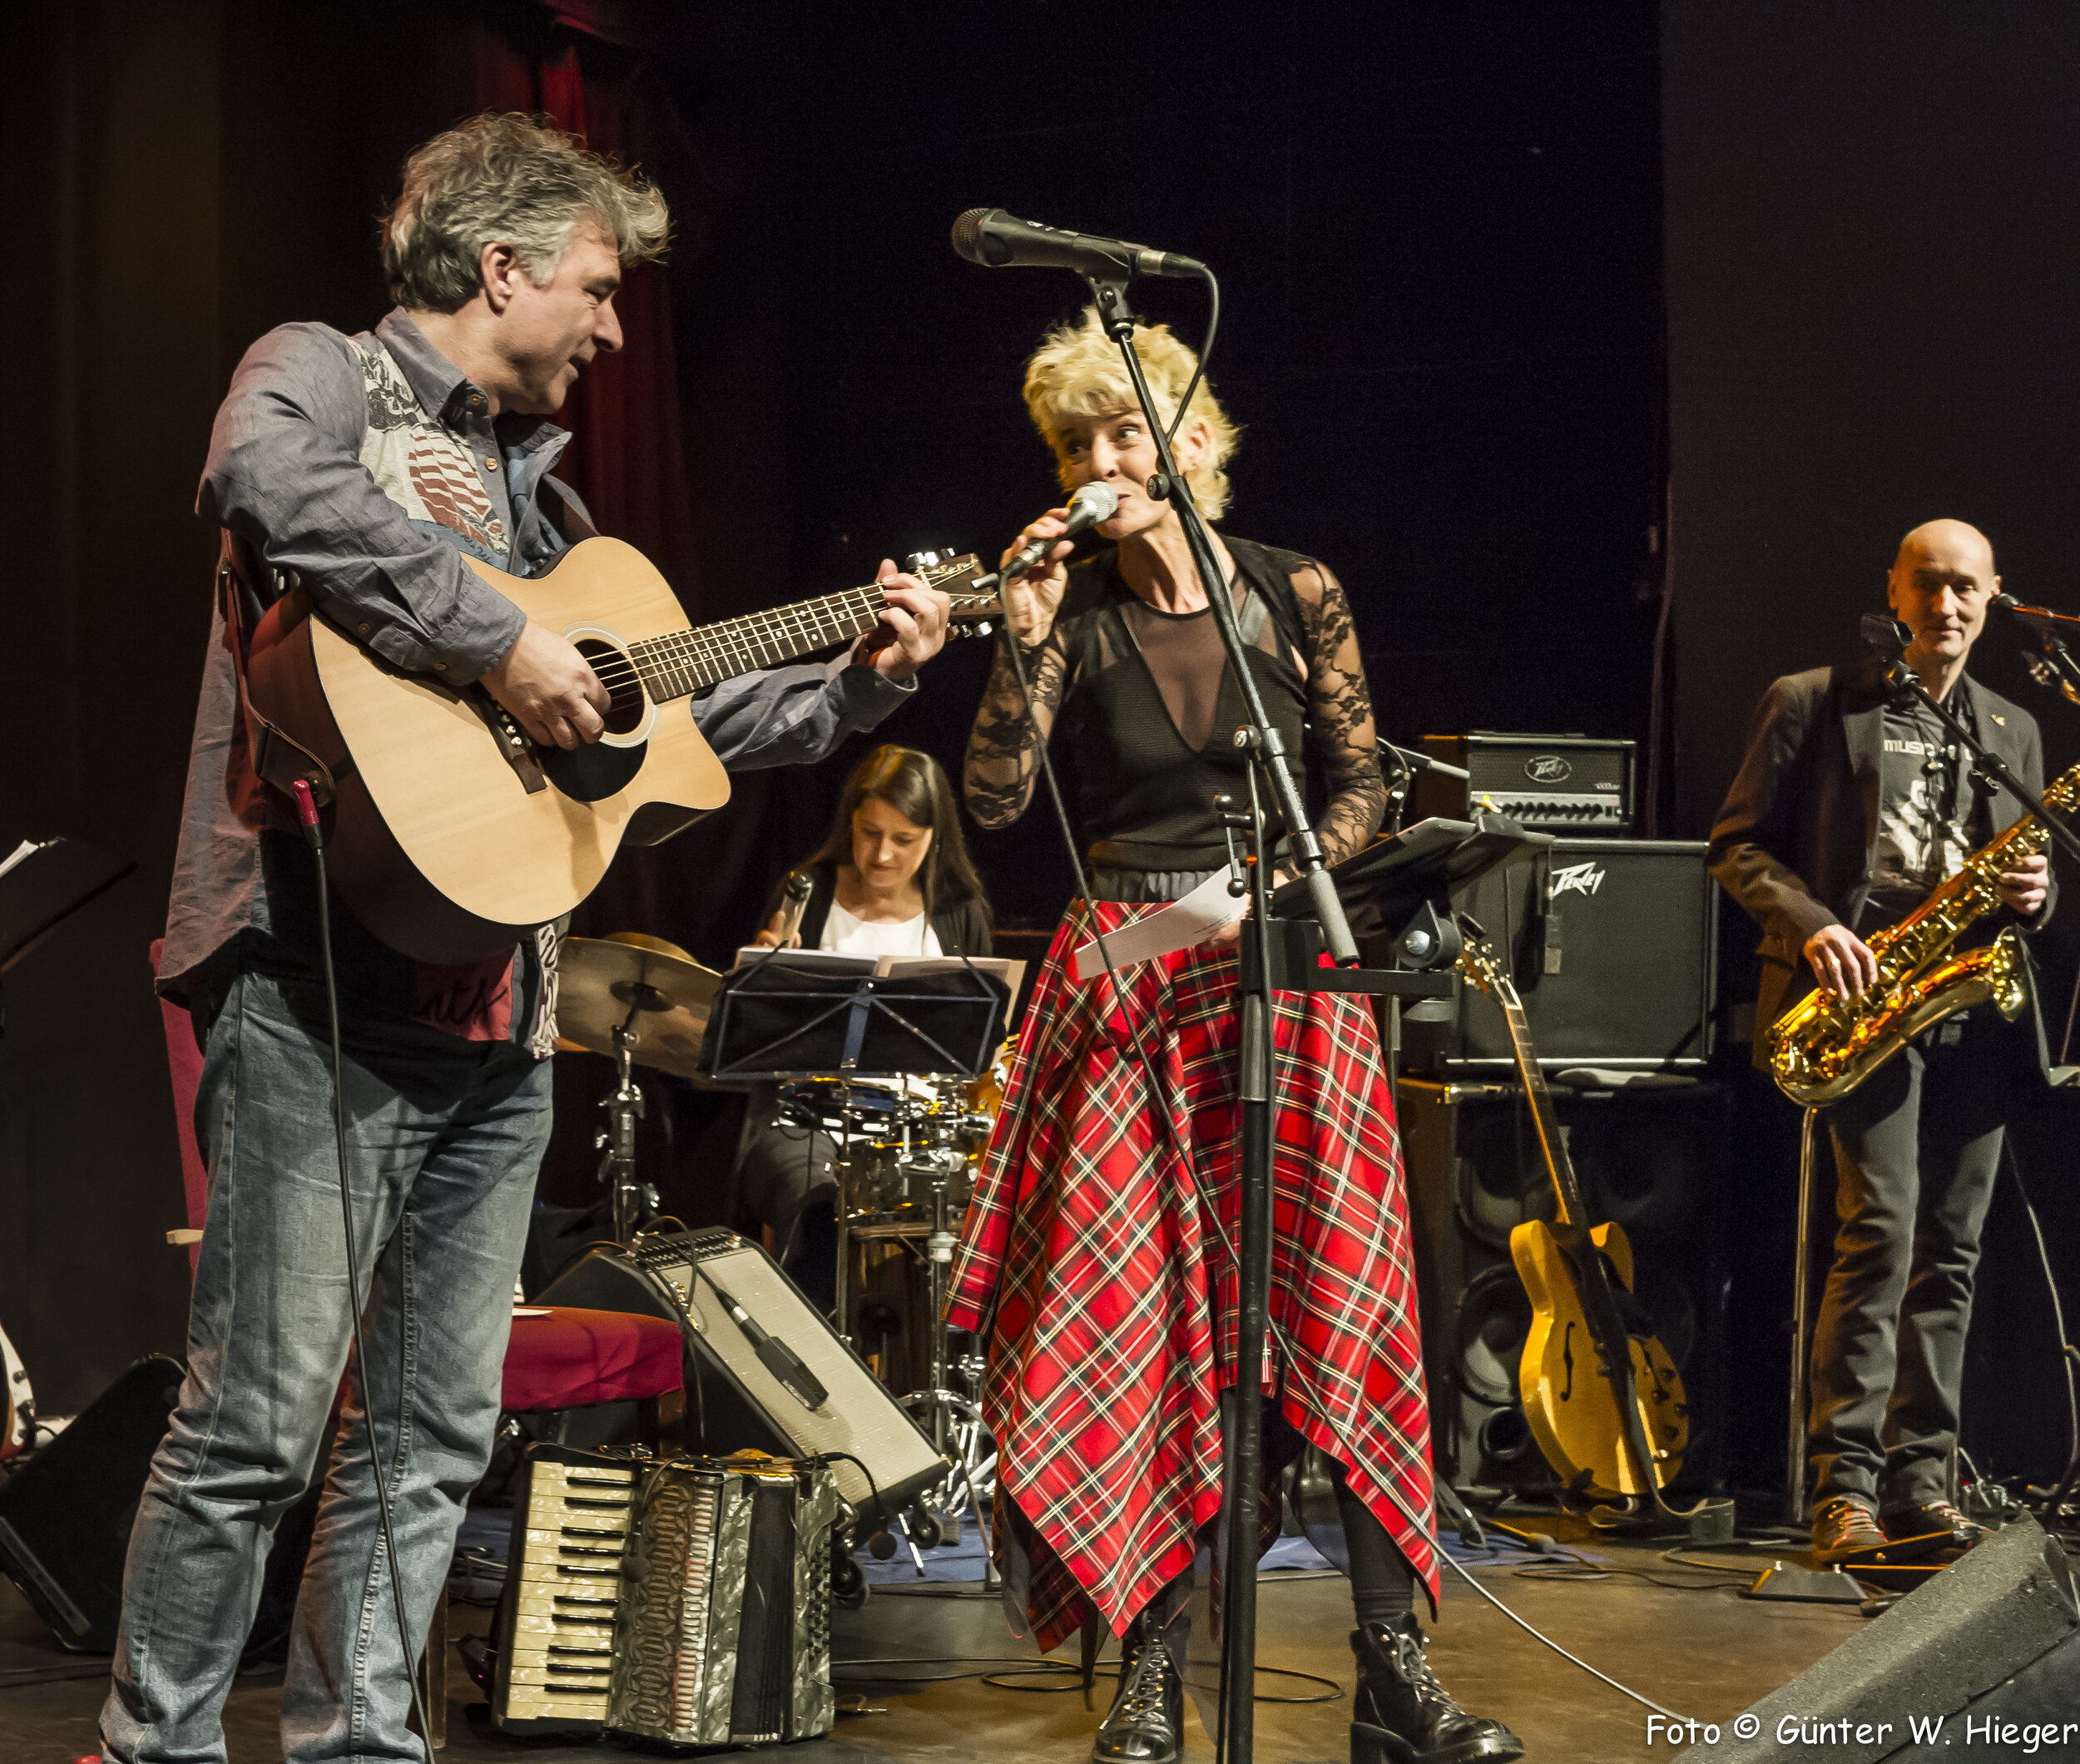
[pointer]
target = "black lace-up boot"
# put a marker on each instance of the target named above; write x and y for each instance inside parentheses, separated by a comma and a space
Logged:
(1146, 1724)
(1404, 1716)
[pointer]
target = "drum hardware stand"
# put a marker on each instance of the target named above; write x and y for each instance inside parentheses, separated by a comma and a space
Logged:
(949, 1410)
(624, 1106)
(842, 1287)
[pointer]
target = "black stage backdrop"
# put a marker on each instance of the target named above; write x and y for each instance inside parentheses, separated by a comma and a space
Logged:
(1440, 235)
(1873, 263)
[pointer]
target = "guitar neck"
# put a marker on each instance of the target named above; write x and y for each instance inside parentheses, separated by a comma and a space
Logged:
(683, 662)
(1503, 991)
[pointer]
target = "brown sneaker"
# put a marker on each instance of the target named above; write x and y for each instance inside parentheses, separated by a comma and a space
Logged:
(1931, 1527)
(1845, 1527)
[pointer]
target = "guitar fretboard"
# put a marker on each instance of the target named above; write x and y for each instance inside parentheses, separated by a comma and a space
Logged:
(688, 662)
(1485, 967)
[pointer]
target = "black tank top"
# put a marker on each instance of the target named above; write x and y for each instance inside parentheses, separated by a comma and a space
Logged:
(1152, 708)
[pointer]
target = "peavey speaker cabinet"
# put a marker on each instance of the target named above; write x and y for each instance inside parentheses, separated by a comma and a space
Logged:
(1613, 944)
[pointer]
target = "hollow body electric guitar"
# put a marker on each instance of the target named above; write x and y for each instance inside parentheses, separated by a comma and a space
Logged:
(1604, 1399)
(451, 832)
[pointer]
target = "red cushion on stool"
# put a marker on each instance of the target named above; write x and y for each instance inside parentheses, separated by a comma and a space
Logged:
(573, 1359)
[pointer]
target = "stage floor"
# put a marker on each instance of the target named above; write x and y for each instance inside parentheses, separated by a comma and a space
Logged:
(1705, 1653)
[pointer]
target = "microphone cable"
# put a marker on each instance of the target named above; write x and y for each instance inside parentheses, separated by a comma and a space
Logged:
(1283, 1342)
(315, 837)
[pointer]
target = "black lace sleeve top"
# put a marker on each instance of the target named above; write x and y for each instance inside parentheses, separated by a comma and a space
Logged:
(1147, 707)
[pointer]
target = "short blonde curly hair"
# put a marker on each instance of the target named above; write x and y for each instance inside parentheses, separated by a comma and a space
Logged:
(1077, 372)
(512, 179)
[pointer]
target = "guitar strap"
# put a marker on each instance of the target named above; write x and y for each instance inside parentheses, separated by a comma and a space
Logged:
(560, 508)
(277, 761)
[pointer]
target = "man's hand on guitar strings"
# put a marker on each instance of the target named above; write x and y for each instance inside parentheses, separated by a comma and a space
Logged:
(546, 683)
(912, 628)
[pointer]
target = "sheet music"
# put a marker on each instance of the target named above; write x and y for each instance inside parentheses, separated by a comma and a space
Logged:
(1207, 908)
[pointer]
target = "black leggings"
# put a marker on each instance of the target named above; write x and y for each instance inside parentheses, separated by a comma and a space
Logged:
(1381, 1582)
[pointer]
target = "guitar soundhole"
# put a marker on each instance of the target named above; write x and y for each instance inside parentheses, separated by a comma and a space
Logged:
(617, 673)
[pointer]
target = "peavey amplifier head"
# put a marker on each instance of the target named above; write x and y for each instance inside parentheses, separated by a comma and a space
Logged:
(1549, 783)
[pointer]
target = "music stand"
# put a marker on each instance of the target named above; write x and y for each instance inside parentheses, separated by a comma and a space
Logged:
(1426, 865)
(776, 1019)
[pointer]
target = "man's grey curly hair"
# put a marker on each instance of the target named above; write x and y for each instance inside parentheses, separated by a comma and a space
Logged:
(510, 179)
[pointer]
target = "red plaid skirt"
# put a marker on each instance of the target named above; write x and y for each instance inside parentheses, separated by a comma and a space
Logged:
(1109, 1309)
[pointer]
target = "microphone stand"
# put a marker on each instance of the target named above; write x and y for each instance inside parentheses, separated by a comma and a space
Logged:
(1266, 754)
(2057, 667)
(1986, 762)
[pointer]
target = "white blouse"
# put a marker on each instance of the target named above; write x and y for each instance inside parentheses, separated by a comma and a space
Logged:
(846, 935)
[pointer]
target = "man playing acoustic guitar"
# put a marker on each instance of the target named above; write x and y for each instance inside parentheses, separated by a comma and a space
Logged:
(1852, 804)
(367, 470)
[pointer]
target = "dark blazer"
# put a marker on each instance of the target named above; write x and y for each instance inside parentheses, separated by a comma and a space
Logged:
(963, 929)
(1796, 837)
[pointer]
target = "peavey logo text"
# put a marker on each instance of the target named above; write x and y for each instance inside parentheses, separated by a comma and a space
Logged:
(1548, 768)
(1578, 879)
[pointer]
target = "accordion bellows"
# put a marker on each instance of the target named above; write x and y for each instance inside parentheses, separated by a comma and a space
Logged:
(686, 1600)
(724, 1635)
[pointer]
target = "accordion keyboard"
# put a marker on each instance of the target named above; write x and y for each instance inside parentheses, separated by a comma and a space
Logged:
(560, 1661)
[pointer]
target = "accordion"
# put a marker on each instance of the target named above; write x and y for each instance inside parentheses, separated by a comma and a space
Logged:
(686, 1600)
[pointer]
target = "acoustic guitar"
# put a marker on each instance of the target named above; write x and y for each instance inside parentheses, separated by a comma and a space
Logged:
(1604, 1399)
(450, 832)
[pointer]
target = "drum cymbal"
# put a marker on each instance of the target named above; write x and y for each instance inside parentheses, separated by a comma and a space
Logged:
(600, 980)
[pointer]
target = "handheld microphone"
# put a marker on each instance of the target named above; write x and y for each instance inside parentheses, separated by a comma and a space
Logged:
(997, 241)
(1091, 503)
(795, 892)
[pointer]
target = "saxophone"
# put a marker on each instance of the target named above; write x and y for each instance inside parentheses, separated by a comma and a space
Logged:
(1823, 1046)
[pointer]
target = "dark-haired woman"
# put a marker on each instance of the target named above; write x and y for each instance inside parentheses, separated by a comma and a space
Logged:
(1086, 1261)
(893, 878)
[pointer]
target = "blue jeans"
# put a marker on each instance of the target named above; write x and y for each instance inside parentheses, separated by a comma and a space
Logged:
(445, 1136)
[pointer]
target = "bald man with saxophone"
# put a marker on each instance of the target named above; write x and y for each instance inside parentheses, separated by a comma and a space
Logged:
(1853, 802)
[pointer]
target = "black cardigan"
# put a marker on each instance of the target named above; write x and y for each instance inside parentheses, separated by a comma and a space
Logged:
(962, 929)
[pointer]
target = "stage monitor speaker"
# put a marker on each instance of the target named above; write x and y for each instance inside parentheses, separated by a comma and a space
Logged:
(1980, 1661)
(734, 1398)
(65, 1516)
(1613, 944)
(1650, 1160)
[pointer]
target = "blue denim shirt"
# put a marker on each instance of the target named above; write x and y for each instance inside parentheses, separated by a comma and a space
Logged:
(285, 473)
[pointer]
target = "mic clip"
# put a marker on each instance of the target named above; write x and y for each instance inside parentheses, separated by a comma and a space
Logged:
(1158, 488)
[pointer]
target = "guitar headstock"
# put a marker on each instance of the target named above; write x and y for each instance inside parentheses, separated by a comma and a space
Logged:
(970, 615)
(1479, 962)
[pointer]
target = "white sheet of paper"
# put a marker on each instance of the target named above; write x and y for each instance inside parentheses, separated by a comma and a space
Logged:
(811, 961)
(1178, 926)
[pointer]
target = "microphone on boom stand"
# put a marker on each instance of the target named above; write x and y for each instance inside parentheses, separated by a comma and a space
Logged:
(2053, 665)
(1411, 762)
(997, 241)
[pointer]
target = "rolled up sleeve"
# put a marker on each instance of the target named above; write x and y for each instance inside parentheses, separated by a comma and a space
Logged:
(794, 716)
(285, 473)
